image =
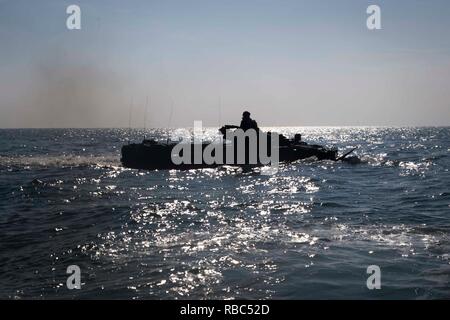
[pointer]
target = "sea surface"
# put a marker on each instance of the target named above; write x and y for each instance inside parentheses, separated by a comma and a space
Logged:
(310, 231)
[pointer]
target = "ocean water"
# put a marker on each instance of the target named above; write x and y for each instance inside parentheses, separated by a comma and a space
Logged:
(310, 231)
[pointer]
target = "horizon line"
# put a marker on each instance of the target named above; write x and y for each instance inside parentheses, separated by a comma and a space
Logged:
(262, 127)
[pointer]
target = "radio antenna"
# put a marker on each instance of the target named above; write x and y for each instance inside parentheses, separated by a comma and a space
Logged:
(129, 119)
(145, 116)
(220, 110)
(170, 121)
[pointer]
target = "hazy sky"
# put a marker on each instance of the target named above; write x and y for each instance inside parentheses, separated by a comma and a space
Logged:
(289, 62)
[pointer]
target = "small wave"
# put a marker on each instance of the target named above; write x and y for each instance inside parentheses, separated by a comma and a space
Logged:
(28, 162)
(376, 160)
(407, 167)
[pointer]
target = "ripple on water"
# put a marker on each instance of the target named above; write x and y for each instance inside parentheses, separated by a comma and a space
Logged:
(308, 231)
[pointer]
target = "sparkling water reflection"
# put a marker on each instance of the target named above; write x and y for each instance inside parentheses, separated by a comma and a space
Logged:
(310, 231)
